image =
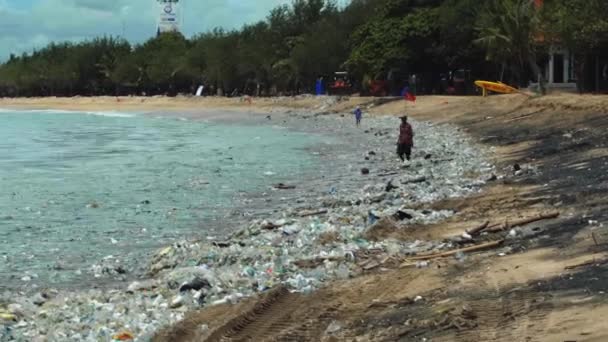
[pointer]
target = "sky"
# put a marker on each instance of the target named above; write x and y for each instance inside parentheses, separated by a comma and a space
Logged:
(30, 24)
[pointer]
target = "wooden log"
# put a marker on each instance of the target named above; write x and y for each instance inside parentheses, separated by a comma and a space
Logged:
(587, 263)
(316, 262)
(478, 229)
(313, 213)
(521, 117)
(475, 248)
(500, 227)
(594, 239)
(388, 174)
(415, 180)
(495, 226)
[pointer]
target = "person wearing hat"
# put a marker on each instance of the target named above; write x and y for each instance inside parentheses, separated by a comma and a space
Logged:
(358, 114)
(406, 139)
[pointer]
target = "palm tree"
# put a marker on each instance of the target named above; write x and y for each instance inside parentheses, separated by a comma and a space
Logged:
(507, 29)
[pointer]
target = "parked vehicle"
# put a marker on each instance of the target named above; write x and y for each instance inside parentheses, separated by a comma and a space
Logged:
(341, 84)
(457, 82)
(389, 84)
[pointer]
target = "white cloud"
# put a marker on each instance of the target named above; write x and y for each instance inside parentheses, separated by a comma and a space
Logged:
(34, 26)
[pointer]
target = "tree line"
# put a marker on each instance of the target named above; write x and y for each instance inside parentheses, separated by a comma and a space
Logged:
(296, 44)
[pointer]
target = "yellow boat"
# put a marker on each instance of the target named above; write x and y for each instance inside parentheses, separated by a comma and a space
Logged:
(497, 87)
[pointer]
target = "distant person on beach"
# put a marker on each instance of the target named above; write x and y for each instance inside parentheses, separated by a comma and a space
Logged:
(406, 139)
(358, 115)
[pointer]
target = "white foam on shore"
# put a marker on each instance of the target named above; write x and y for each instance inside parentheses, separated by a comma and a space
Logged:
(113, 114)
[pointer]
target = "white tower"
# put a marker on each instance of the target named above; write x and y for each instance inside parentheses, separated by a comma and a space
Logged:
(168, 20)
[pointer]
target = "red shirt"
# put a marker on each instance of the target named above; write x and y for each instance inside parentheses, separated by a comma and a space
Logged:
(406, 135)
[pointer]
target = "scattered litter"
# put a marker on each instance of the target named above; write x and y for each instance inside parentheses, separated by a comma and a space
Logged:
(177, 302)
(307, 240)
(93, 205)
(460, 256)
(7, 316)
(123, 336)
(333, 328)
(422, 264)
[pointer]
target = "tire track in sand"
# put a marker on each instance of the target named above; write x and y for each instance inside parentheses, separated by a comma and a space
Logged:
(274, 318)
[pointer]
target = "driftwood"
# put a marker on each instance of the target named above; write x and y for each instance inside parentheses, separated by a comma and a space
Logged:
(316, 262)
(521, 117)
(388, 174)
(313, 213)
(456, 251)
(282, 186)
(478, 229)
(415, 180)
(372, 263)
(587, 263)
(504, 226)
(594, 238)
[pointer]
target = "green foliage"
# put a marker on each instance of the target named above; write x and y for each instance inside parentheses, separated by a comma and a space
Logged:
(299, 42)
(507, 30)
(393, 40)
(581, 25)
(163, 60)
(219, 51)
(457, 31)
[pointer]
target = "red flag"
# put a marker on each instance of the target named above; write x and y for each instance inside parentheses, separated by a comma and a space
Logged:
(409, 96)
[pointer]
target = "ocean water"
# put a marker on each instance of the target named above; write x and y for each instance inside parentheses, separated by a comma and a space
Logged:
(80, 187)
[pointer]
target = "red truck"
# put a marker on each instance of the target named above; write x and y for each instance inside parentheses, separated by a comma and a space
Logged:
(340, 85)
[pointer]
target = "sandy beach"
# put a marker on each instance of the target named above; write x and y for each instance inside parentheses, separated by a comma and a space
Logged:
(134, 103)
(450, 108)
(324, 271)
(304, 170)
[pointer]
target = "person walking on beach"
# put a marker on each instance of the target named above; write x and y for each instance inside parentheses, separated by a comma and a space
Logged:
(406, 139)
(358, 115)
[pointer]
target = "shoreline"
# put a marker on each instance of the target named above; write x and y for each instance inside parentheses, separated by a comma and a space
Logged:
(346, 221)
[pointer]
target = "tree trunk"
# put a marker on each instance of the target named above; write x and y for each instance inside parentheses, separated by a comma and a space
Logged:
(597, 73)
(536, 69)
(580, 74)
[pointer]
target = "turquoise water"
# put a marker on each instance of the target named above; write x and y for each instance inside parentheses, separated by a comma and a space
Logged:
(76, 188)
